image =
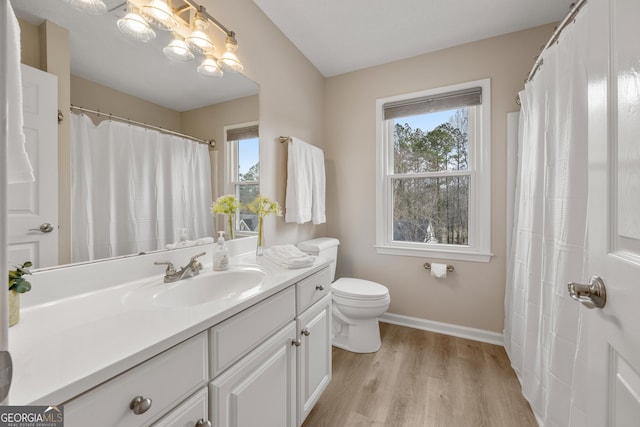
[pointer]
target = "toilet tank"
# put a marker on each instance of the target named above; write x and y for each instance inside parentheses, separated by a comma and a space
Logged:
(325, 247)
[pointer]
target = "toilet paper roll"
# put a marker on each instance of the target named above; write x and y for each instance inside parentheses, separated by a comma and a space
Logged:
(439, 271)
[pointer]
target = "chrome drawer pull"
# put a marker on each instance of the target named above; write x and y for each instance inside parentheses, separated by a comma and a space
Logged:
(139, 405)
(296, 342)
(319, 288)
(305, 332)
(203, 423)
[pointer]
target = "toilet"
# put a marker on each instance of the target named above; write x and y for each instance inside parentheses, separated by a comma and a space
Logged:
(357, 303)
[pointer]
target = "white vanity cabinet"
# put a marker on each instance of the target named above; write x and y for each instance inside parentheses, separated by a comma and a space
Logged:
(314, 355)
(278, 382)
(264, 366)
(139, 396)
(313, 319)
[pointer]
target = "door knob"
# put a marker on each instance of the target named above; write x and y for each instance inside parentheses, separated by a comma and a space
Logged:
(593, 295)
(44, 227)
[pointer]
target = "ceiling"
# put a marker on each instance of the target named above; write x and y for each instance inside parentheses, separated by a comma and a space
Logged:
(101, 53)
(339, 36)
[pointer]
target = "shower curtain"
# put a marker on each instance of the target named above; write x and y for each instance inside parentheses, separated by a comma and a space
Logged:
(133, 189)
(542, 323)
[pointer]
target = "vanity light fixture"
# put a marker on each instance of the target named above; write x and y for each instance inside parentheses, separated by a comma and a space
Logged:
(159, 14)
(95, 7)
(178, 50)
(135, 26)
(210, 68)
(229, 60)
(191, 31)
(199, 41)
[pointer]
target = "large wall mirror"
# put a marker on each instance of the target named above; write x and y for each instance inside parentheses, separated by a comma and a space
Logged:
(111, 73)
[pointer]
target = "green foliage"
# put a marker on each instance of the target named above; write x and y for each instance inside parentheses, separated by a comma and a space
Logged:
(16, 281)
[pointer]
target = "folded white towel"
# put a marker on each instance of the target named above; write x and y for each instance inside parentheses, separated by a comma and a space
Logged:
(18, 164)
(288, 256)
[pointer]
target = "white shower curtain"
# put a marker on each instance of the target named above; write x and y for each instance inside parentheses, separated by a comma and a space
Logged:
(133, 189)
(542, 323)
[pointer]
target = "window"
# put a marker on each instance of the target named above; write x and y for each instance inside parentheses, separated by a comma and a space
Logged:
(243, 158)
(434, 173)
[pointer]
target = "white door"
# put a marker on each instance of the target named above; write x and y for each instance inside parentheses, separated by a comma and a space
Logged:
(33, 205)
(614, 212)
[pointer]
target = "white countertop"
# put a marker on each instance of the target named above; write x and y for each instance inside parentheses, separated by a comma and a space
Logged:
(65, 347)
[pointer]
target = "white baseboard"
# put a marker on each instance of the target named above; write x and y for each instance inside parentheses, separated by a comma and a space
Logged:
(444, 328)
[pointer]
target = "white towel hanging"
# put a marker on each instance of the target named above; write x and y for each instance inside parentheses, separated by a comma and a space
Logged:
(306, 183)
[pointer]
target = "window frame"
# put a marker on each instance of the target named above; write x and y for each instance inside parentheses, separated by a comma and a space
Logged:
(231, 181)
(478, 248)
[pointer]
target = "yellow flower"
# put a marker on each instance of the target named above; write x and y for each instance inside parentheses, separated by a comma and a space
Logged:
(227, 205)
(263, 206)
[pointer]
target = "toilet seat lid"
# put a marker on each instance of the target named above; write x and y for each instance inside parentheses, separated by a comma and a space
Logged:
(359, 289)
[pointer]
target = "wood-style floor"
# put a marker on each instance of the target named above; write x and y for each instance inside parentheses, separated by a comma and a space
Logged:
(421, 378)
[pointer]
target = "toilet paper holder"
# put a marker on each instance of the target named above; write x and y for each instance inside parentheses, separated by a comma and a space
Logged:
(427, 266)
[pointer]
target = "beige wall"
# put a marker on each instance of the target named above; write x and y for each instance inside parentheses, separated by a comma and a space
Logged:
(88, 94)
(291, 102)
(473, 296)
(209, 122)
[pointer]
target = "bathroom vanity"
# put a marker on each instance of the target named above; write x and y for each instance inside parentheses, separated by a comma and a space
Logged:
(255, 354)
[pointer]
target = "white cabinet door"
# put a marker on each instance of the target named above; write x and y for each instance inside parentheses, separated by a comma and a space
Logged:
(314, 355)
(614, 205)
(259, 390)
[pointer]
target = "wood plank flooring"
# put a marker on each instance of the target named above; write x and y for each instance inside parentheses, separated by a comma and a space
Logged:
(421, 378)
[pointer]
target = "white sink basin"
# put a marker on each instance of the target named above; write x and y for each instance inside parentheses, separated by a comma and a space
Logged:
(236, 283)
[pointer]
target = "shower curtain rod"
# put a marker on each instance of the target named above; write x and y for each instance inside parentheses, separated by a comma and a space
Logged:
(575, 8)
(210, 142)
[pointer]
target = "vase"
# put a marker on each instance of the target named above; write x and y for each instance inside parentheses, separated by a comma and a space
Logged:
(260, 247)
(14, 307)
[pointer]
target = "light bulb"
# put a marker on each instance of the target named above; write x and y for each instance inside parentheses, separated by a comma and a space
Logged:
(159, 14)
(134, 25)
(210, 68)
(199, 41)
(229, 60)
(178, 50)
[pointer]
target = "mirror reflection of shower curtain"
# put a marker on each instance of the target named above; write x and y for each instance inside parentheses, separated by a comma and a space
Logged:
(543, 325)
(133, 189)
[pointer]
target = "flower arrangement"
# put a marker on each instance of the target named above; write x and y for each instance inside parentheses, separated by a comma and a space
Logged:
(227, 205)
(263, 206)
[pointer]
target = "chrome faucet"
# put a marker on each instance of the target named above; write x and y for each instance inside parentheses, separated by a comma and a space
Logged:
(191, 269)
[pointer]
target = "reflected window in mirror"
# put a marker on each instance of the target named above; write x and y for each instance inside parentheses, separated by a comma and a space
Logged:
(243, 158)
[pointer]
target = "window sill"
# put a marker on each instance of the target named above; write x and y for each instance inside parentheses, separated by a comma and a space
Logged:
(456, 255)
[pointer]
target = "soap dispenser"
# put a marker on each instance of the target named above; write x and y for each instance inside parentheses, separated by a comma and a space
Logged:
(221, 254)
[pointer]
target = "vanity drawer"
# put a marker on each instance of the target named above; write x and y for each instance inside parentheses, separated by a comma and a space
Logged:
(235, 337)
(312, 289)
(194, 409)
(166, 379)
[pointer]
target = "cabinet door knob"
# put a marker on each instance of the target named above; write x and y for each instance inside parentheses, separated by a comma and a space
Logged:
(139, 405)
(203, 423)
(296, 342)
(305, 332)
(319, 288)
